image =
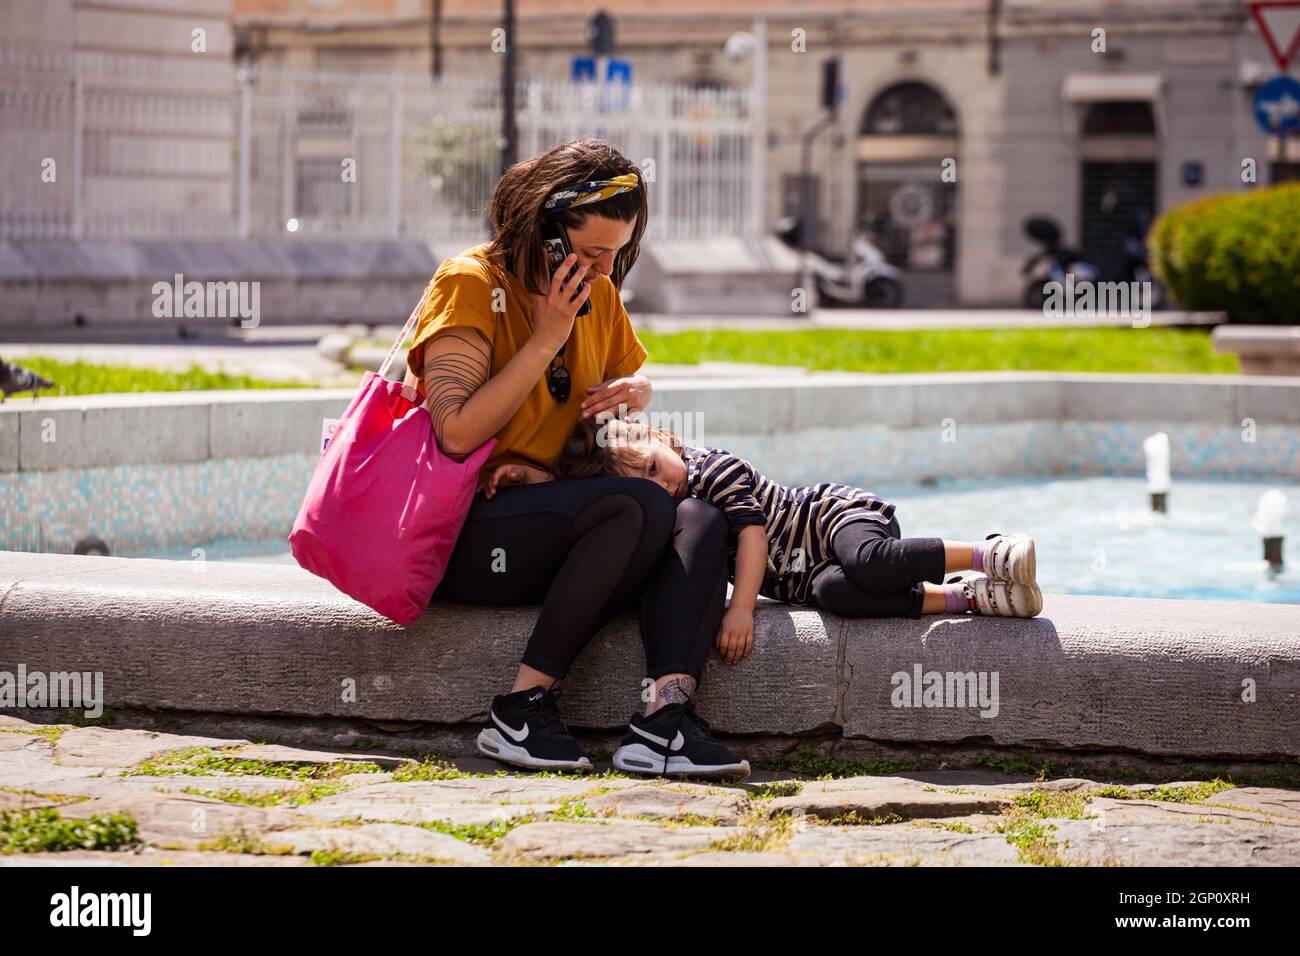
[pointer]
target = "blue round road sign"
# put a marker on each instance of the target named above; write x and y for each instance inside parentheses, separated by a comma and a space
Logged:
(1277, 105)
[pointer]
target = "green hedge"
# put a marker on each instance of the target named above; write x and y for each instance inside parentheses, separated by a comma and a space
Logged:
(1237, 253)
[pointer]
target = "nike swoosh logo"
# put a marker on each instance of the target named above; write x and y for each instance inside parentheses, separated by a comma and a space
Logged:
(678, 742)
(517, 736)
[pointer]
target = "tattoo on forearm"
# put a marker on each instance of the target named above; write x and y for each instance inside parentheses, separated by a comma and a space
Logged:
(452, 377)
(678, 690)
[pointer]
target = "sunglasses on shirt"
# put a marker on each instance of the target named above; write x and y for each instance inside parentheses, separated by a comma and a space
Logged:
(558, 382)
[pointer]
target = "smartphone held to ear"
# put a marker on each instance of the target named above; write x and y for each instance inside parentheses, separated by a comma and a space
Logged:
(555, 241)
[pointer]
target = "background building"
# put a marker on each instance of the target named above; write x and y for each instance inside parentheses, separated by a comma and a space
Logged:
(1042, 114)
(1097, 114)
(131, 99)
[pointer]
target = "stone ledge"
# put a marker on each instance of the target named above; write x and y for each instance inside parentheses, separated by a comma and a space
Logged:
(1262, 349)
(62, 283)
(1160, 678)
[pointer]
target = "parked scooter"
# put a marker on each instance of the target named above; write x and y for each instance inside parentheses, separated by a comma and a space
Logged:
(863, 279)
(1054, 260)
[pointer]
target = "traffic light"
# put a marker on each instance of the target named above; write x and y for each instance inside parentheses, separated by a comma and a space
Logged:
(600, 34)
(831, 83)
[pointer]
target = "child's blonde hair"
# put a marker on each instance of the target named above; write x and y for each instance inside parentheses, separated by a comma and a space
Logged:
(612, 448)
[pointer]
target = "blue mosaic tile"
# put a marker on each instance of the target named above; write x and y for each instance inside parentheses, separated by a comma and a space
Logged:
(181, 506)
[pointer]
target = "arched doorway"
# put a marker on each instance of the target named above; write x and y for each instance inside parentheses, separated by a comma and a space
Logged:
(1118, 154)
(908, 130)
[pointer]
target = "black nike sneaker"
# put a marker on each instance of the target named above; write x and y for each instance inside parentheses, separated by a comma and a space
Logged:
(524, 729)
(675, 741)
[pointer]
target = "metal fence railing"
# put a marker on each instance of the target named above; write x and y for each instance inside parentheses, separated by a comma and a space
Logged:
(166, 148)
(98, 146)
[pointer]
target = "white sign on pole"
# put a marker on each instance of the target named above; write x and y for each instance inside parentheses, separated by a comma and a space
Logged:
(1279, 24)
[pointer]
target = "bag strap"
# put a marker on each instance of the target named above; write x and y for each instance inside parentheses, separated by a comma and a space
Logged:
(410, 391)
(401, 336)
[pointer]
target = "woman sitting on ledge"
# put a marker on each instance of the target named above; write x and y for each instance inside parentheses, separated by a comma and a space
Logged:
(500, 351)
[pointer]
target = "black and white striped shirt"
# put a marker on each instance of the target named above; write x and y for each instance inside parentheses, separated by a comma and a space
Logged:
(799, 520)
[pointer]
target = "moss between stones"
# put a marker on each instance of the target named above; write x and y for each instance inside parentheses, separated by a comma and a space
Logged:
(431, 768)
(487, 834)
(480, 834)
(807, 762)
(610, 774)
(1033, 841)
(769, 836)
(1022, 823)
(572, 811)
(207, 761)
(1256, 810)
(1017, 764)
(1024, 827)
(1284, 775)
(307, 793)
(51, 734)
(340, 857)
(953, 827)
(44, 830)
(855, 819)
(51, 797)
(955, 790)
(79, 718)
(438, 767)
(675, 823)
(1197, 793)
(240, 840)
(778, 788)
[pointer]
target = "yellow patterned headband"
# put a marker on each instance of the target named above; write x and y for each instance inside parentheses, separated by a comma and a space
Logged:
(582, 194)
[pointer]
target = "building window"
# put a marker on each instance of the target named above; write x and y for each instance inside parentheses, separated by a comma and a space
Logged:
(910, 109)
(1119, 119)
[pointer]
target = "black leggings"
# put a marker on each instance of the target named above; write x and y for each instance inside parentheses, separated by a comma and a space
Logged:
(878, 571)
(588, 548)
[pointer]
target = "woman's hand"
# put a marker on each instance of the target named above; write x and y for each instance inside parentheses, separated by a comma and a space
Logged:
(506, 475)
(553, 313)
(632, 390)
(736, 636)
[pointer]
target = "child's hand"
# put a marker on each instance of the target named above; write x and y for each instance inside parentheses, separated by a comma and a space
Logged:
(504, 475)
(736, 636)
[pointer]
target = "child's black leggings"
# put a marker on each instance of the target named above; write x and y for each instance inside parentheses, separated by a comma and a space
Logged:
(587, 548)
(878, 572)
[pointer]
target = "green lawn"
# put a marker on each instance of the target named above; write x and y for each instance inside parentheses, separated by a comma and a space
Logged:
(952, 350)
(941, 350)
(85, 378)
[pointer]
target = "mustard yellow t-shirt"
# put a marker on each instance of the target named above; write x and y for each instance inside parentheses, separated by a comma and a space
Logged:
(602, 346)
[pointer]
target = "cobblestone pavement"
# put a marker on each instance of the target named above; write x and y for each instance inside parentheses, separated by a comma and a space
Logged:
(191, 800)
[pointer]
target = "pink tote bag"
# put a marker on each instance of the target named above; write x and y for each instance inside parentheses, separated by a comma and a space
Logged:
(384, 506)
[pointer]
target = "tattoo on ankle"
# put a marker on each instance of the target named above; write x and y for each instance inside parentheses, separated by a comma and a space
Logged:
(678, 690)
